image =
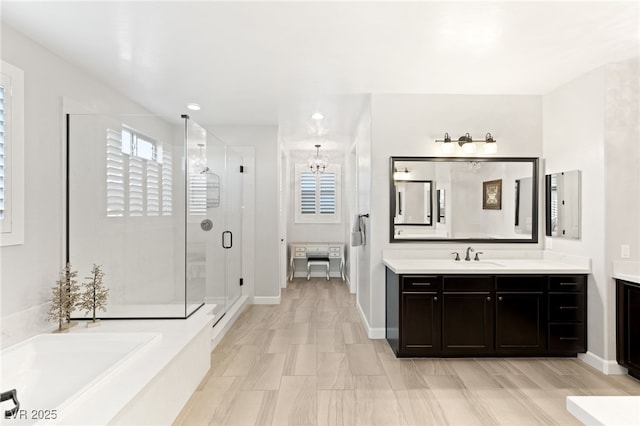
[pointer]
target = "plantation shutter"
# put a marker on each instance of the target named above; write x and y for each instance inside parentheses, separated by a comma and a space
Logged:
(136, 188)
(197, 193)
(153, 188)
(554, 196)
(307, 193)
(317, 196)
(167, 183)
(115, 174)
(327, 196)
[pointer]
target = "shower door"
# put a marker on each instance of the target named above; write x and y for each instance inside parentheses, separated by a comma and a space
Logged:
(233, 233)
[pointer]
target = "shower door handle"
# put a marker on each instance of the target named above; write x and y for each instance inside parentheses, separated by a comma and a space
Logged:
(224, 245)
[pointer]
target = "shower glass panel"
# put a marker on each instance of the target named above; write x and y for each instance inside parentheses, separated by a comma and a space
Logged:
(132, 190)
(197, 222)
(216, 212)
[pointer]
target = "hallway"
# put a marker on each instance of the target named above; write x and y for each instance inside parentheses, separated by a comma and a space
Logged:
(308, 361)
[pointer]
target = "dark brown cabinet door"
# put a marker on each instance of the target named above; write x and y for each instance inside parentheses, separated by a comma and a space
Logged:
(633, 327)
(420, 324)
(467, 323)
(520, 325)
(629, 326)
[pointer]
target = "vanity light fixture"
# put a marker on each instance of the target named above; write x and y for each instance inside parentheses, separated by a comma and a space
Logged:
(490, 144)
(447, 147)
(467, 144)
(318, 164)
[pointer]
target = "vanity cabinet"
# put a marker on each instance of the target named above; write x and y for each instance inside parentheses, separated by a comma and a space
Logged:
(567, 313)
(486, 315)
(420, 315)
(520, 313)
(628, 326)
(467, 315)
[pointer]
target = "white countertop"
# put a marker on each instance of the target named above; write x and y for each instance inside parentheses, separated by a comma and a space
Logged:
(530, 263)
(605, 410)
(626, 270)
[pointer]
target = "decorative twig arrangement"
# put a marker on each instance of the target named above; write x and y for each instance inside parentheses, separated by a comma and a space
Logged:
(63, 297)
(66, 296)
(94, 294)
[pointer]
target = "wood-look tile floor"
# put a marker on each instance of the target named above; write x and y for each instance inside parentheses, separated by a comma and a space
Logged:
(308, 361)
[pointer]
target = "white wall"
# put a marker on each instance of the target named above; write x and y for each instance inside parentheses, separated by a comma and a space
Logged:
(364, 176)
(591, 124)
(622, 173)
(574, 140)
(30, 270)
(408, 125)
(265, 141)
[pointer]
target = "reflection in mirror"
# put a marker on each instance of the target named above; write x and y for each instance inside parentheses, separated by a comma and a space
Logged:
(441, 205)
(413, 202)
(524, 218)
(460, 215)
(563, 204)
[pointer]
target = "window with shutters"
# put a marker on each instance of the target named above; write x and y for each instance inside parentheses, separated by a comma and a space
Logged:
(317, 195)
(11, 155)
(139, 175)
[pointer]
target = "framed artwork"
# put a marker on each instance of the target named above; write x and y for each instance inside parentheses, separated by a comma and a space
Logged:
(492, 195)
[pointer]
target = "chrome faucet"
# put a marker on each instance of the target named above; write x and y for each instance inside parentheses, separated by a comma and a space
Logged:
(467, 257)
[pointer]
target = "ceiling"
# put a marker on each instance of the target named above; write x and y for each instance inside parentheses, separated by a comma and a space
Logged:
(278, 62)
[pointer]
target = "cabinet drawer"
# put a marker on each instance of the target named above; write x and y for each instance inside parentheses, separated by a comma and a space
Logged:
(567, 283)
(566, 307)
(517, 283)
(467, 283)
(566, 338)
(421, 282)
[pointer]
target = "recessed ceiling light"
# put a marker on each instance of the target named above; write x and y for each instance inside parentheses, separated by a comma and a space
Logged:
(193, 107)
(317, 116)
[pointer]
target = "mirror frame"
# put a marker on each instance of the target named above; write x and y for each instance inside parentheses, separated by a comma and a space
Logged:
(534, 161)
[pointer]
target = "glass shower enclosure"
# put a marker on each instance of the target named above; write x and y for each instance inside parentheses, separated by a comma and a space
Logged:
(155, 203)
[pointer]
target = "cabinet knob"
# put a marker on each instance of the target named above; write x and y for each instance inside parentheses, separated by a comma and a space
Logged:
(500, 298)
(435, 298)
(488, 298)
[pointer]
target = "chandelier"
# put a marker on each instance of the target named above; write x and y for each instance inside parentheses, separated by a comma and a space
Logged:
(199, 161)
(318, 164)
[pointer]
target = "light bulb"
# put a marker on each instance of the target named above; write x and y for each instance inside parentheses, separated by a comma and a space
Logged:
(469, 148)
(491, 147)
(447, 148)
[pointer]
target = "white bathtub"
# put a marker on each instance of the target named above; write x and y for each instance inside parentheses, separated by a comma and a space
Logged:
(53, 372)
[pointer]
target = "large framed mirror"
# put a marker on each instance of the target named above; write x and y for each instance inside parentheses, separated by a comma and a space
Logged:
(489, 200)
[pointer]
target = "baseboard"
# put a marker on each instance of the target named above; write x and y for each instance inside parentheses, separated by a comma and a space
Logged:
(351, 290)
(372, 333)
(261, 300)
(605, 366)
